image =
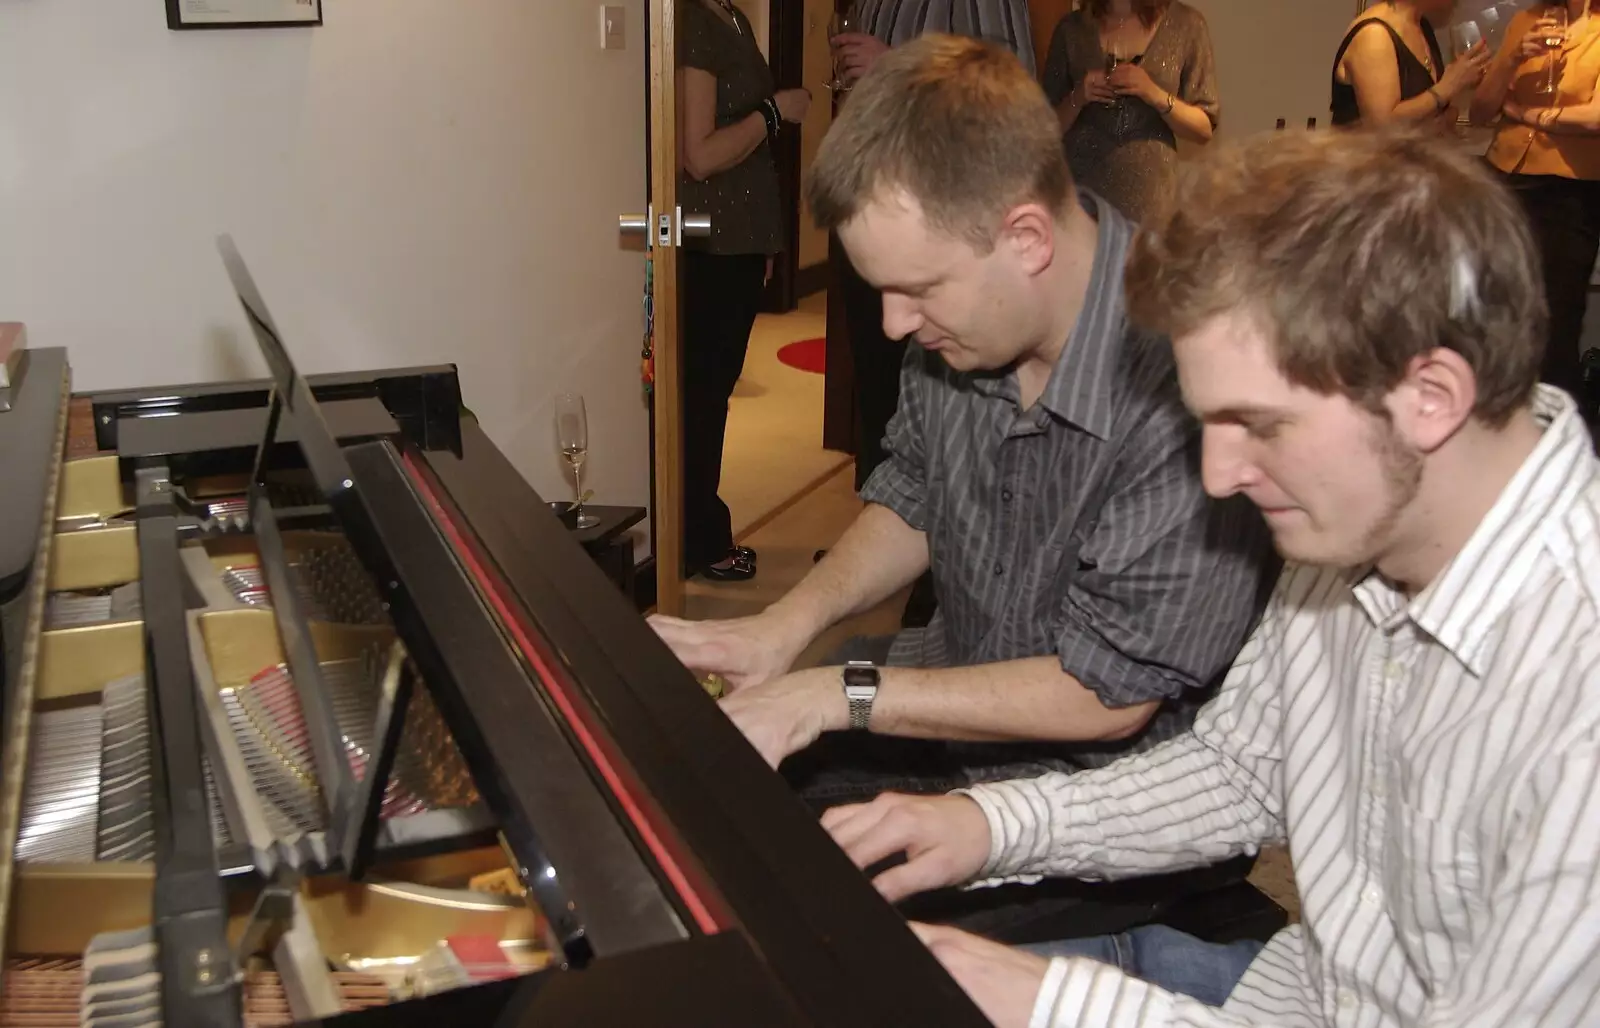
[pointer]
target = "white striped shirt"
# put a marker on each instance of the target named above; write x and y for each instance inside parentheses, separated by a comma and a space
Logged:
(1431, 762)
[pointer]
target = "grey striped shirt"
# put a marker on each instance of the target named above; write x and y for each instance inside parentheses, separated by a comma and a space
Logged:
(1433, 763)
(1002, 22)
(1078, 527)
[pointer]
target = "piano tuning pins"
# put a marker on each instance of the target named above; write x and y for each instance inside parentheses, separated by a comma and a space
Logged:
(341, 586)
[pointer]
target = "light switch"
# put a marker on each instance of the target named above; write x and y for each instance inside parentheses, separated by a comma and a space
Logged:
(612, 23)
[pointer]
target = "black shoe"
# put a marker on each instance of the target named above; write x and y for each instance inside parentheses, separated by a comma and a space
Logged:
(747, 553)
(738, 569)
(816, 558)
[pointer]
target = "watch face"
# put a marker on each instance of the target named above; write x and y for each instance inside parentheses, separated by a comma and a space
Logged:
(861, 676)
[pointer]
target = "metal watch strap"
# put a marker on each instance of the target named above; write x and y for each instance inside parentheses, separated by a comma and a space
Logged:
(860, 679)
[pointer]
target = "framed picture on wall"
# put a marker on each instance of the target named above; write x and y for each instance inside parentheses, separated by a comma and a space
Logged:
(242, 14)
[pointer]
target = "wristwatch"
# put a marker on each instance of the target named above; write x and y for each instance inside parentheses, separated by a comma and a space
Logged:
(860, 679)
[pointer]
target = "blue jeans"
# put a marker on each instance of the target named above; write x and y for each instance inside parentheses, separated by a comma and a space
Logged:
(1163, 956)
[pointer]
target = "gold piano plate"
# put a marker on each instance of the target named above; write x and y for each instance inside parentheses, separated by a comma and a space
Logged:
(78, 662)
(94, 559)
(91, 488)
(59, 908)
(386, 920)
(240, 643)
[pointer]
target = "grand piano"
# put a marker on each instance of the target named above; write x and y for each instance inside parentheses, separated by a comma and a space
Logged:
(314, 714)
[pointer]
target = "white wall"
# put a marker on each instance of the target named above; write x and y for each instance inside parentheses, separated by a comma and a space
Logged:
(416, 181)
(1274, 59)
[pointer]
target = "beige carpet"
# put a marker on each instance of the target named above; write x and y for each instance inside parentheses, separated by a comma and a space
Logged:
(774, 444)
(786, 544)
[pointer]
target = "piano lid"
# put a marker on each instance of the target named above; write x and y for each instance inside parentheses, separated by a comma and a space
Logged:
(27, 453)
(600, 893)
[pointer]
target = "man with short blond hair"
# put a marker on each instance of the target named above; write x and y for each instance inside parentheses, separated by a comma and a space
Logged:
(875, 27)
(1041, 463)
(1358, 323)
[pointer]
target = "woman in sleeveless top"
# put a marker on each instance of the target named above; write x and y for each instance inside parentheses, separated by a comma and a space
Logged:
(1547, 147)
(1389, 68)
(729, 113)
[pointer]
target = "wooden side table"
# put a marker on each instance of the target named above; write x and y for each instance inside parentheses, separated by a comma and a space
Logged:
(607, 543)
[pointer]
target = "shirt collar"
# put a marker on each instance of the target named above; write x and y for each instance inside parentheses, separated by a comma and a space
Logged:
(1459, 607)
(1076, 391)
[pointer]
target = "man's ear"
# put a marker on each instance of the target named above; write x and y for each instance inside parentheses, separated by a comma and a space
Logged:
(1434, 399)
(1029, 232)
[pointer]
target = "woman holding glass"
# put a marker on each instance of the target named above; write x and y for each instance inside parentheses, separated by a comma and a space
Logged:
(729, 112)
(1128, 79)
(1542, 86)
(1389, 67)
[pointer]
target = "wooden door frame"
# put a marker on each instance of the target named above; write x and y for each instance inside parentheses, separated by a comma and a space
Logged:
(667, 397)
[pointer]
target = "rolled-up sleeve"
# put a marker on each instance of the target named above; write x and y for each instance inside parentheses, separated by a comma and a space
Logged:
(1199, 80)
(1169, 584)
(901, 481)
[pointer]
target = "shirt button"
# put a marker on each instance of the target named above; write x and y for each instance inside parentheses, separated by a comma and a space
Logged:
(1005, 494)
(999, 568)
(1347, 999)
(1371, 894)
(1378, 788)
(1391, 670)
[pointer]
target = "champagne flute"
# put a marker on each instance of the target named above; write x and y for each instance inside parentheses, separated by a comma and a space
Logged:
(572, 435)
(1554, 36)
(1467, 36)
(1116, 53)
(838, 25)
(1493, 20)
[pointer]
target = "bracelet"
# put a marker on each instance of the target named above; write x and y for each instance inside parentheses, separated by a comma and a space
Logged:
(1172, 101)
(769, 114)
(1439, 102)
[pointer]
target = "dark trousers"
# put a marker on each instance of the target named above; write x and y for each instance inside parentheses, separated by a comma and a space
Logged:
(721, 297)
(877, 361)
(1565, 215)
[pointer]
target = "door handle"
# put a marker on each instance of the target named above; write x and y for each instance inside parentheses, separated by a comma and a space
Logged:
(669, 228)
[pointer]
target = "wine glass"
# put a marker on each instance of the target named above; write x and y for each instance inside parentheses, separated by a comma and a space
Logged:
(1493, 21)
(572, 435)
(1467, 36)
(1116, 52)
(838, 25)
(1554, 36)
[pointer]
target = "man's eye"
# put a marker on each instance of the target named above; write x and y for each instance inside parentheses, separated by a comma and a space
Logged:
(1264, 430)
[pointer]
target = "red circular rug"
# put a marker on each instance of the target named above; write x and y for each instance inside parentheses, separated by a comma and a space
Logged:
(806, 355)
